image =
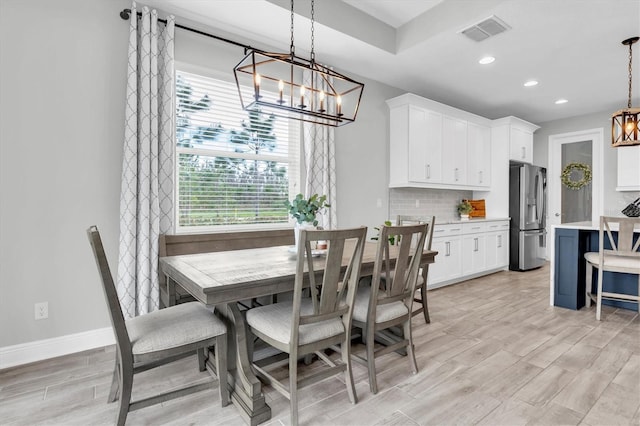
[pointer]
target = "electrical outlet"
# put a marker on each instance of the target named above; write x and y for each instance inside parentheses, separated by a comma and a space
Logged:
(379, 203)
(42, 310)
(417, 203)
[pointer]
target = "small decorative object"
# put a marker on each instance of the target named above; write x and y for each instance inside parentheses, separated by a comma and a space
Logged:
(576, 175)
(464, 208)
(304, 211)
(633, 209)
(392, 238)
(479, 209)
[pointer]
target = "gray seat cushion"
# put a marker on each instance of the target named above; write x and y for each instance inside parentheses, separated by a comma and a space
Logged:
(384, 312)
(173, 327)
(275, 321)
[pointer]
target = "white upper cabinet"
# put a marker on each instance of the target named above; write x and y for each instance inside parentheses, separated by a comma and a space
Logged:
(429, 145)
(454, 151)
(425, 145)
(520, 135)
(628, 168)
(478, 155)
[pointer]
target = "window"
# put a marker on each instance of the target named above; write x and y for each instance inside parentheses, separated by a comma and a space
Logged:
(234, 168)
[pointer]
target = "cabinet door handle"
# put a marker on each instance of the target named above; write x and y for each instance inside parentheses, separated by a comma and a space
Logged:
(455, 174)
(447, 245)
(499, 240)
(428, 171)
(524, 152)
(475, 242)
(480, 175)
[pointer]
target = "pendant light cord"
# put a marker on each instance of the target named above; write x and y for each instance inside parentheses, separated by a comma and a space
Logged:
(630, 74)
(292, 49)
(313, 53)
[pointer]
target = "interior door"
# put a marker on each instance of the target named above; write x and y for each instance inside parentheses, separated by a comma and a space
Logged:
(568, 205)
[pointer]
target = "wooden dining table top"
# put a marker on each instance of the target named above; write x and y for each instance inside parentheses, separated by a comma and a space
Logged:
(229, 276)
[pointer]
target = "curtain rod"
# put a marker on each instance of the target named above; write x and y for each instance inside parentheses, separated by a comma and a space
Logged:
(126, 14)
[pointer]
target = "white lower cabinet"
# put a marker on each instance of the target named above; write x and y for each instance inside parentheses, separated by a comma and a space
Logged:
(467, 250)
(473, 247)
(448, 265)
(497, 245)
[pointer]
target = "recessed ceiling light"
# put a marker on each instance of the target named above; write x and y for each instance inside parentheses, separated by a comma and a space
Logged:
(486, 60)
(561, 101)
(531, 83)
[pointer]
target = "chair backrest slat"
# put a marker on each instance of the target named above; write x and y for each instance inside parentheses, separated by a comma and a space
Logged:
(340, 271)
(627, 242)
(110, 292)
(408, 257)
(413, 220)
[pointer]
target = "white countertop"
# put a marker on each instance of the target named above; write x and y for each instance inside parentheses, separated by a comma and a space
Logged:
(476, 219)
(588, 225)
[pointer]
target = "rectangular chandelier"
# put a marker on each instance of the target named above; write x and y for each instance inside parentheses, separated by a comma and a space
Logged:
(624, 127)
(288, 86)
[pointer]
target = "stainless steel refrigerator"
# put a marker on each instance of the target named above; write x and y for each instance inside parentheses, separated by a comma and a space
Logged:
(527, 209)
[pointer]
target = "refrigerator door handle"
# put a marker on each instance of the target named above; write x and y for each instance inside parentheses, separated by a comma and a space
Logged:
(534, 233)
(539, 197)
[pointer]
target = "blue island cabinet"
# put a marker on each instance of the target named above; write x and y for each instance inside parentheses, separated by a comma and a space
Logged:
(570, 270)
(569, 273)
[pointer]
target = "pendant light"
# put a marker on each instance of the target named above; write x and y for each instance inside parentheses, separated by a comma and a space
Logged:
(286, 85)
(624, 123)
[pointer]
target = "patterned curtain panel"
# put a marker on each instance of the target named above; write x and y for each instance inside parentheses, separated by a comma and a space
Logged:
(147, 167)
(320, 159)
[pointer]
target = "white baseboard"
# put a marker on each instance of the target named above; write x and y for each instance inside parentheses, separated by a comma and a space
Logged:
(39, 350)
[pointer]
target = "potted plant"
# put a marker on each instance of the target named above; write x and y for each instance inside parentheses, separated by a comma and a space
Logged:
(304, 211)
(464, 208)
(392, 238)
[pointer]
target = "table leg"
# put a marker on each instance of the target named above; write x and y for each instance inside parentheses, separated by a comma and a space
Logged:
(246, 389)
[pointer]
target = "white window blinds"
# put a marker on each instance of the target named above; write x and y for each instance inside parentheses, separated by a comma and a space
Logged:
(235, 168)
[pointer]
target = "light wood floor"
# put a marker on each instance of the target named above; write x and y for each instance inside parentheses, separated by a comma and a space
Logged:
(494, 354)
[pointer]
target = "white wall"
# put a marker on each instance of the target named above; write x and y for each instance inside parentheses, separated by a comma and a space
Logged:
(613, 201)
(62, 85)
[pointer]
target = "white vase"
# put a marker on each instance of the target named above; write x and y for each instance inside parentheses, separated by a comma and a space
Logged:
(464, 217)
(297, 228)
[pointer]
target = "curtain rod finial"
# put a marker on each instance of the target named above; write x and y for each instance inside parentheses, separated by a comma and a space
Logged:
(125, 14)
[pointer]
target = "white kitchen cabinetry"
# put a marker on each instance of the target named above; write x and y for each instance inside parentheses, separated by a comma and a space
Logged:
(478, 155)
(447, 241)
(415, 149)
(497, 245)
(628, 168)
(473, 248)
(429, 142)
(454, 151)
(425, 136)
(467, 250)
(520, 137)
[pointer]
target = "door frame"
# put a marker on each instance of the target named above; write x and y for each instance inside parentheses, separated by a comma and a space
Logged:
(596, 136)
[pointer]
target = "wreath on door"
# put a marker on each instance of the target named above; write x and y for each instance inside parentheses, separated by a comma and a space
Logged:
(576, 175)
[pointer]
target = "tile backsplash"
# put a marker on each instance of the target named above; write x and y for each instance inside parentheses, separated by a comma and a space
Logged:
(440, 203)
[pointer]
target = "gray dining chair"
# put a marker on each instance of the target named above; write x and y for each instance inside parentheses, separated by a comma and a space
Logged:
(388, 301)
(622, 256)
(421, 288)
(307, 325)
(158, 338)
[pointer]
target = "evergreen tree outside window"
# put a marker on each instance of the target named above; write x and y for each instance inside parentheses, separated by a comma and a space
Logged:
(235, 168)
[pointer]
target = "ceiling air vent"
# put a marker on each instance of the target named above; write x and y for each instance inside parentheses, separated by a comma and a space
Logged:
(485, 29)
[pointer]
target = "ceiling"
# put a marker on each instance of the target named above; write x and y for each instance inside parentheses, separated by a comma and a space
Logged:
(571, 47)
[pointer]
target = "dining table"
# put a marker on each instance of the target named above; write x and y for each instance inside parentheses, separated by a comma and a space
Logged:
(223, 279)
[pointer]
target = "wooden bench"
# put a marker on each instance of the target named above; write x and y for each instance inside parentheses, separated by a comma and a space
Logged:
(174, 245)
